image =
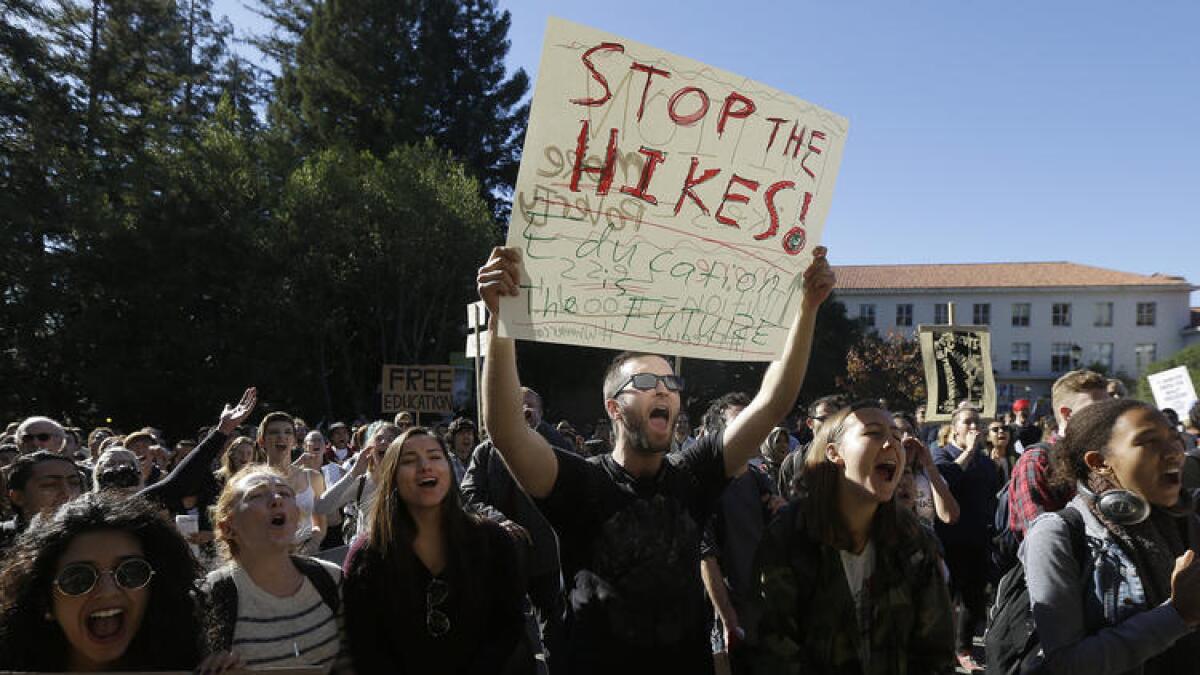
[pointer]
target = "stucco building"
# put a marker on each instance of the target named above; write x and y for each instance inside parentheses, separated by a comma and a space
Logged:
(1045, 318)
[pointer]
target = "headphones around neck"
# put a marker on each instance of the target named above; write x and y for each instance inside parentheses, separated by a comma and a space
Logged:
(1122, 507)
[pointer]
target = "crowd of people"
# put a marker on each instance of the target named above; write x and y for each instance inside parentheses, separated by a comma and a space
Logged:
(841, 537)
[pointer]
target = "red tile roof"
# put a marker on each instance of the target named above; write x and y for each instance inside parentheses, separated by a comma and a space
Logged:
(993, 275)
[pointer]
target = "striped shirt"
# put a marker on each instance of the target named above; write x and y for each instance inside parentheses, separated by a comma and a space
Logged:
(299, 630)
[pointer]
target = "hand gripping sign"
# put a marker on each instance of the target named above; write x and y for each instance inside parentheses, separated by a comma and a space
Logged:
(662, 204)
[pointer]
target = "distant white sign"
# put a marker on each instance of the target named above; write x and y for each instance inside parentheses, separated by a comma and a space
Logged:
(1173, 389)
(478, 336)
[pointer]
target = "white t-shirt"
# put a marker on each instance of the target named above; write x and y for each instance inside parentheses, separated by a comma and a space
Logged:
(859, 569)
(923, 498)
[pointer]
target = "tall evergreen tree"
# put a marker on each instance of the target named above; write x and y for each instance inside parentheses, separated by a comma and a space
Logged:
(378, 74)
(39, 156)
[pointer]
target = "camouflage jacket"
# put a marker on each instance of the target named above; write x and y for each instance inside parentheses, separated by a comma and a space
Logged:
(809, 617)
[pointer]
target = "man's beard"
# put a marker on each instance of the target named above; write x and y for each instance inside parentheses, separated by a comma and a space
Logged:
(634, 428)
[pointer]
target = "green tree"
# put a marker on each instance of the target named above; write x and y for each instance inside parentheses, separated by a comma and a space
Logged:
(378, 74)
(164, 319)
(1188, 356)
(380, 262)
(887, 367)
(39, 160)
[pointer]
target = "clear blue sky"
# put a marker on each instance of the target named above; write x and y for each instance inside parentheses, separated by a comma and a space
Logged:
(1008, 130)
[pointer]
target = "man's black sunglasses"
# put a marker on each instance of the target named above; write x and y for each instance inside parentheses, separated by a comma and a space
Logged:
(649, 381)
(43, 437)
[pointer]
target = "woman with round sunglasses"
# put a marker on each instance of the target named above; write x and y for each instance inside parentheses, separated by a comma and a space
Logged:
(1113, 578)
(103, 584)
(849, 582)
(432, 588)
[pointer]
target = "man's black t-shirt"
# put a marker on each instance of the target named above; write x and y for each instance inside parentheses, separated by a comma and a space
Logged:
(630, 551)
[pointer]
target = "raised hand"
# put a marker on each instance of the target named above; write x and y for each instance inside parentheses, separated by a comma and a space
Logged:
(500, 275)
(1185, 588)
(971, 440)
(232, 417)
(818, 279)
(913, 447)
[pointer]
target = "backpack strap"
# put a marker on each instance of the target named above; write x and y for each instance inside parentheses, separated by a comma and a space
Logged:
(321, 580)
(1074, 521)
(362, 482)
(223, 598)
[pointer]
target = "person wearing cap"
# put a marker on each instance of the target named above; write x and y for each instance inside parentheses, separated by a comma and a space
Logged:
(1024, 430)
(338, 450)
(461, 438)
(139, 443)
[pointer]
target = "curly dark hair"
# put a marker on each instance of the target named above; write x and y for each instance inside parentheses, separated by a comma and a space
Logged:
(714, 418)
(169, 637)
(1089, 429)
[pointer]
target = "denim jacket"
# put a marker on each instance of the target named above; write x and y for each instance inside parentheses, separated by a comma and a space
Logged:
(1092, 616)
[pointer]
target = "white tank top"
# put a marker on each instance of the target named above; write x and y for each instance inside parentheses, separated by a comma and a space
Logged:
(305, 501)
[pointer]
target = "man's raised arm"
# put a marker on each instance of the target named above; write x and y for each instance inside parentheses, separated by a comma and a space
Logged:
(527, 454)
(781, 383)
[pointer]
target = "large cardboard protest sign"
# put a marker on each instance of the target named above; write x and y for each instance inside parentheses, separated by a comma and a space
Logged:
(958, 368)
(1173, 389)
(422, 389)
(663, 204)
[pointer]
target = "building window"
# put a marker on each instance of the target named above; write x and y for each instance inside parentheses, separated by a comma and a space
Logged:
(1104, 312)
(1102, 356)
(1020, 314)
(867, 314)
(941, 313)
(1145, 355)
(1146, 312)
(982, 314)
(1060, 314)
(904, 315)
(1020, 357)
(1064, 356)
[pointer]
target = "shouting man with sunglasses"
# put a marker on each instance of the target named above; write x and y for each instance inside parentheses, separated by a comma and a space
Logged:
(629, 522)
(40, 433)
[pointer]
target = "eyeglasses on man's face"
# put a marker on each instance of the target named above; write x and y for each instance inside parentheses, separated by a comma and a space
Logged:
(41, 437)
(649, 382)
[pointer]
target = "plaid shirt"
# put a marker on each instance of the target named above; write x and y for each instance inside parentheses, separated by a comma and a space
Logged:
(1030, 493)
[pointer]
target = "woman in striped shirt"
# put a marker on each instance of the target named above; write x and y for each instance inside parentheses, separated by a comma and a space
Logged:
(271, 608)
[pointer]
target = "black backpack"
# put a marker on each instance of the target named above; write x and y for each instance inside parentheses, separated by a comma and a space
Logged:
(1011, 639)
(1004, 544)
(223, 599)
